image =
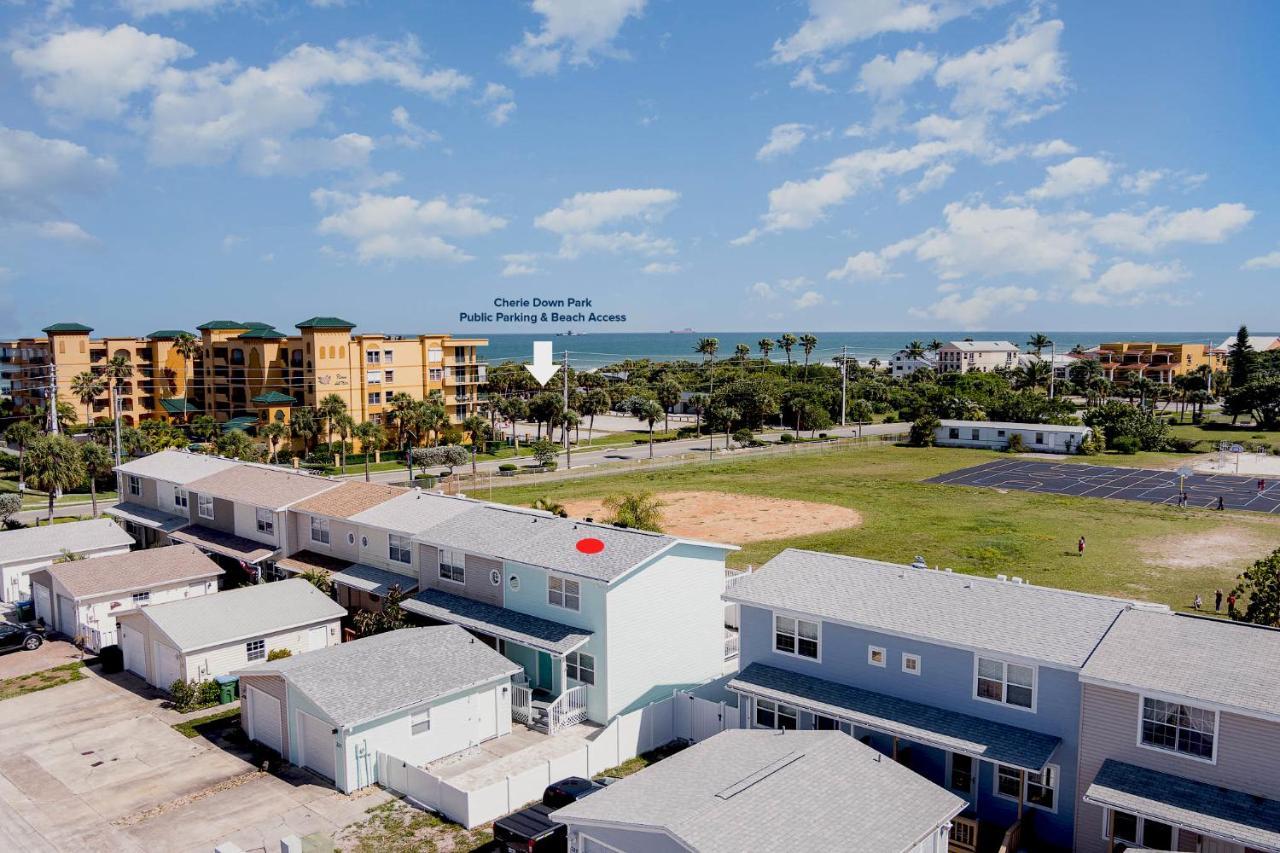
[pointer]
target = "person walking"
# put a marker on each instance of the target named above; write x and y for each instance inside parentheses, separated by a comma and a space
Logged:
(1231, 604)
(1219, 501)
(1262, 485)
(1080, 546)
(1217, 601)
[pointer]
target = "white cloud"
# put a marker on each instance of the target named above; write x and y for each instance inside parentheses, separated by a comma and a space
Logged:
(147, 8)
(36, 173)
(991, 241)
(807, 78)
(1026, 66)
(833, 24)
(794, 283)
(783, 139)
(525, 263)
(1152, 229)
(582, 220)
(864, 266)
(395, 228)
(810, 299)
(91, 73)
(660, 268)
(412, 135)
(230, 241)
(1074, 177)
(973, 312)
(762, 290)
(1142, 181)
(885, 78)
(63, 231)
(573, 31)
(1269, 261)
(614, 242)
(1052, 148)
(501, 102)
(1128, 283)
(933, 178)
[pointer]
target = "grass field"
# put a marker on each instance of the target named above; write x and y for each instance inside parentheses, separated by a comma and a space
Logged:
(1153, 552)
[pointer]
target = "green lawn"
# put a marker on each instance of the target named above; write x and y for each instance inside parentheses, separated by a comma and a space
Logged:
(44, 679)
(1225, 432)
(191, 728)
(1135, 550)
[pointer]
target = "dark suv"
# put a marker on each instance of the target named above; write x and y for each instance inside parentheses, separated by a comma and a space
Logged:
(532, 830)
(14, 637)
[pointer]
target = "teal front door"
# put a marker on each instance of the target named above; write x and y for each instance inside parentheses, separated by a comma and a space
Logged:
(544, 671)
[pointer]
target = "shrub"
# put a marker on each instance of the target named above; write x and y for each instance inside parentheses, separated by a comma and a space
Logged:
(924, 430)
(1184, 445)
(744, 437)
(10, 505)
(507, 466)
(1197, 418)
(1126, 444)
(277, 654)
(1016, 445)
(193, 695)
(786, 438)
(822, 435)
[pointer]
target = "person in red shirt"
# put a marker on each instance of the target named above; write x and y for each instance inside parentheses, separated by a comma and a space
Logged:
(1080, 546)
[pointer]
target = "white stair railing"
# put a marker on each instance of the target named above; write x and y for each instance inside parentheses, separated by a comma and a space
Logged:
(569, 709)
(522, 704)
(731, 645)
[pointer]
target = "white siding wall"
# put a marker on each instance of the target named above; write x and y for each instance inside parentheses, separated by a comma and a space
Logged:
(375, 553)
(221, 660)
(246, 524)
(665, 627)
(97, 616)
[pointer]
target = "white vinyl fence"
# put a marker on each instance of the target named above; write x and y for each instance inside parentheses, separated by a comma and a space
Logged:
(680, 716)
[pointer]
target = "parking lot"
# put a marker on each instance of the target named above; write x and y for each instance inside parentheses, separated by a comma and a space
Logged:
(95, 765)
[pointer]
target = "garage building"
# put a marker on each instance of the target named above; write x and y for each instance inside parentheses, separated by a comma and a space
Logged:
(417, 694)
(25, 550)
(199, 638)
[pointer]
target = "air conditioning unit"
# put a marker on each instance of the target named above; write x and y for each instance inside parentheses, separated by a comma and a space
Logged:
(1002, 577)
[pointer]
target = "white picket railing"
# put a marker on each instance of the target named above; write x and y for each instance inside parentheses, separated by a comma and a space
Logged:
(569, 709)
(731, 645)
(522, 704)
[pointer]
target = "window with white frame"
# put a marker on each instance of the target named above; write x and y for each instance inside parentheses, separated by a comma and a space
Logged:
(135, 486)
(1006, 683)
(180, 498)
(399, 549)
(797, 637)
(1128, 828)
(435, 374)
(266, 522)
(388, 376)
(374, 377)
(452, 566)
(876, 656)
(910, 663)
(562, 592)
(1038, 789)
(375, 398)
(255, 649)
(372, 357)
(1008, 781)
(825, 724)
(204, 506)
(1180, 728)
(580, 666)
(420, 721)
(960, 776)
(320, 530)
(142, 597)
(775, 715)
(435, 356)
(388, 356)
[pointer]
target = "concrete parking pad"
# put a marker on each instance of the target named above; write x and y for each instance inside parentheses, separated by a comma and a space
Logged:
(52, 653)
(93, 766)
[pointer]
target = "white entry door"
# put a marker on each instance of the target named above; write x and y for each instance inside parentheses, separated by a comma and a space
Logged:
(317, 638)
(264, 719)
(164, 660)
(486, 715)
(317, 744)
(135, 654)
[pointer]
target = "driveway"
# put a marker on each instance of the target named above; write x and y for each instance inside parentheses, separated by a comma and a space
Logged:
(92, 766)
(52, 653)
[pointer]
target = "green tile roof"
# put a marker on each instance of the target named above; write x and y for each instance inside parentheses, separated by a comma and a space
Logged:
(220, 326)
(241, 423)
(177, 405)
(262, 333)
(166, 335)
(255, 324)
(275, 398)
(326, 323)
(67, 327)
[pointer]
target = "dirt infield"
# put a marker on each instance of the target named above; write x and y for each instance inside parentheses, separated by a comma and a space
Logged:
(1232, 545)
(735, 519)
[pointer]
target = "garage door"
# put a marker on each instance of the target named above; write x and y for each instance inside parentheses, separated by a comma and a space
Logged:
(67, 622)
(264, 719)
(135, 654)
(44, 607)
(317, 744)
(164, 659)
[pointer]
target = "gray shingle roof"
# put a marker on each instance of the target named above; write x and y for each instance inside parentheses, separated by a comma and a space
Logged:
(49, 541)
(949, 730)
(541, 539)
(147, 516)
(250, 611)
(367, 678)
(262, 485)
(373, 579)
(512, 625)
(177, 466)
(221, 542)
(1204, 808)
(1187, 656)
(1052, 625)
(134, 571)
(414, 511)
(800, 790)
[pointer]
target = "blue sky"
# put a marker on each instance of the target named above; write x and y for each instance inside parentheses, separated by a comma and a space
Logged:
(813, 164)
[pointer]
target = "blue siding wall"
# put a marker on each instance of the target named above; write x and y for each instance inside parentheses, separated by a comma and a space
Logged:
(946, 680)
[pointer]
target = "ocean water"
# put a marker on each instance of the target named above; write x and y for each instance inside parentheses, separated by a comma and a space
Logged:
(593, 350)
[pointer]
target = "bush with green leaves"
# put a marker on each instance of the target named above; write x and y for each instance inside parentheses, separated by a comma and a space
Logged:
(545, 452)
(744, 437)
(924, 430)
(786, 438)
(507, 466)
(277, 654)
(1126, 444)
(10, 505)
(194, 695)
(1115, 418)
(1259, 589)
(1016, 444)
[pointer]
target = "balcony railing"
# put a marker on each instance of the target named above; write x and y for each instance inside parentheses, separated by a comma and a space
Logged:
(732, 645)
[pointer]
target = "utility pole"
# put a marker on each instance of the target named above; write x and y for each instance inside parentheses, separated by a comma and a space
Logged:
(844, 382)
(115, 405)
(564, 369)
(53, 399)
(1053, 365)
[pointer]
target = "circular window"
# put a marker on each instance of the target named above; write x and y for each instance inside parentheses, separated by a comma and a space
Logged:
(364, 541)
(495, 577)
(351, 539)
(513, 582)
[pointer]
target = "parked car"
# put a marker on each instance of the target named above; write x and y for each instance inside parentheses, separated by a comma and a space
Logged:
(14, 637)
(531, 830)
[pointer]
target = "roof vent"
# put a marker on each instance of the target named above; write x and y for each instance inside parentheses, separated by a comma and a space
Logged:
(919, 563)
(947, 570)
(760, 775)
(968, 584)
(1002, 577)
(1016, 579)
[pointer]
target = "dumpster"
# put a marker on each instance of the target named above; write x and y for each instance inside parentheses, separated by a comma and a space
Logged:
(226, 688)
(26, 611)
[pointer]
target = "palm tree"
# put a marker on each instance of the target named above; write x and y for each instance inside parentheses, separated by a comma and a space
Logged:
(548, 505)
(21, 433)
(55, 466)
(371, 437)
(787, 342)
(1142, 386)
(639, 511)
(346, 426)
(1031, 375)
(87, 386)
(707, 347)
(874, 363)
(742, 352)
(808, 343)
(475, 425)
(915, 350)
(569, 420)
(274, 432)
(205, 428)
(331, 406)
(765, 345)
(594, 402)
(401, 404)
(650, 412)
(97, 463)
(117, 369)
(727, 415)
(1038, 342)
(303, 424)
(668, 391)
(935, 345)
(188, 346)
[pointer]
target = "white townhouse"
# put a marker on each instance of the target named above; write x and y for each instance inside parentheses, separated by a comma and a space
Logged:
(902, 363)
(983, 356)
(154, 500)
(199, 638)
(30, 548)
(84, 598)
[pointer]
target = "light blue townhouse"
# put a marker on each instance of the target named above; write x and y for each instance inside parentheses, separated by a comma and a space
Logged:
(971, 682)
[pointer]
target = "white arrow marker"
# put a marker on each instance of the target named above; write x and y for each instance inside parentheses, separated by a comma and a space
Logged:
(543, 368)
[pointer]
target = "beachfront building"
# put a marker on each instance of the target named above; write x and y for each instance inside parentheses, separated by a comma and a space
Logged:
(995, 435)
(982, 356)
(1121, 361)
(902, 363)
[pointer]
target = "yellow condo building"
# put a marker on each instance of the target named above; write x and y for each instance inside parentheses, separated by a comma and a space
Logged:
(244, 373)
(1159, 362)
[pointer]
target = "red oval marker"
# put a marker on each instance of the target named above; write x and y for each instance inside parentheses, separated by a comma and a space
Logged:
(590, 546)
